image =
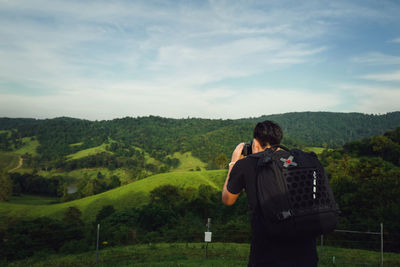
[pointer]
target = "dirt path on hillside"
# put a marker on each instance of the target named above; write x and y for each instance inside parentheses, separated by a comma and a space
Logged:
(21, 160)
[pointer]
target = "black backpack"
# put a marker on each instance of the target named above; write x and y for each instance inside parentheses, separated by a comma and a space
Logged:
(294, 196)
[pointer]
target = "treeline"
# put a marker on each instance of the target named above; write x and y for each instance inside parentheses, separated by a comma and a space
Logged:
(331, 128)
(23, 238)
(135, 163)
(10, 140)
(103, 160)
(36, 185)
(205, 138)
(365, 176)
(173, 214)
(385, 146)
(64, 188)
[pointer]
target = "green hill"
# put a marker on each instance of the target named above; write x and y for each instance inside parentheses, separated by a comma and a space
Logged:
(64, 136)
(134, 194)
(146, 144)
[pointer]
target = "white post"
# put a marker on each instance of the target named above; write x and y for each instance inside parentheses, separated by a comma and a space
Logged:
(206, 237)
(97, 243)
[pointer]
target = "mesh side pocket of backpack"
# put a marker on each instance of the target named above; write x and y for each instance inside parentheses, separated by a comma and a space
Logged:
(307, 191)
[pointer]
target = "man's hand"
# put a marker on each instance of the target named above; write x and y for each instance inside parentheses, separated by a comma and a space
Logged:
(237, 153)
(227, 197)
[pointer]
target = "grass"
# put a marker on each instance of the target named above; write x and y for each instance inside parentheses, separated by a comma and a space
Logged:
(88, 152)
(193, 254)
(355, 257)
(188, 162)
(102, 148)
(316, 150)
(29, 147)
(123, 174)
(8, 161)
(76, 144)
(132, 195)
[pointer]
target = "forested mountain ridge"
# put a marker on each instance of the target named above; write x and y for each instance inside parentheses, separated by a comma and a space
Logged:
(206, 138)
(331, 128)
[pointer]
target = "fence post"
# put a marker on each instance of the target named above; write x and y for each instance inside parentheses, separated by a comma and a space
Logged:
(208, 230)
(97, 243)
(381, 244)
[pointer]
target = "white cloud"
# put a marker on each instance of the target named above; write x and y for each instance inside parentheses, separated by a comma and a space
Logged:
(101, 59)
(185, 46)
(124, 100)
(397, 40)
(196, 66)
(377, 58)
(384, 77)
(372, 99)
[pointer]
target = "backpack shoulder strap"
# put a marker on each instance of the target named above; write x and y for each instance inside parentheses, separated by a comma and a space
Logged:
(265, 161)
(265, 157)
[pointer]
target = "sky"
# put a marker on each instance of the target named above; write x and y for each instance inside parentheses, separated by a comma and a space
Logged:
(101, 60)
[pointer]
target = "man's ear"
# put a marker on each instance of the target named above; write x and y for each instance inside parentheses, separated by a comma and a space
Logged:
(257, 146)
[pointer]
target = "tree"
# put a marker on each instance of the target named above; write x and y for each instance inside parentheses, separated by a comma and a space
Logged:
(105, 212)
(115, 182)
(221, 161)
(73, 216)
(206, 199)
(167, 196)
(100, 175)
(92, 187)
(6, 187)
(26, 237)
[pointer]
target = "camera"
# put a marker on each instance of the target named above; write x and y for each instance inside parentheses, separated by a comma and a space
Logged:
(247, 149)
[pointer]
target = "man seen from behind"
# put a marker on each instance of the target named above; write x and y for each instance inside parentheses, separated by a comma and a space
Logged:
(264, 250)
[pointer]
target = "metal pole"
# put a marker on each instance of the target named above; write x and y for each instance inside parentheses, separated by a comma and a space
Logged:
(381, 244)
(208, 230)
(97, 243)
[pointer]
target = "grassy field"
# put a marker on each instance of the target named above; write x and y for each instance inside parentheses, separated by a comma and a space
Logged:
(132, 195)
(124, 175)
(76, 144)
(188, 162)
(10, 160)
(316, 150)
(88, 152)
(193, 254)
(29, 147)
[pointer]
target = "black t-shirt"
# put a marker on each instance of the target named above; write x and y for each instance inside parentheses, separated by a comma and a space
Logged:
(265, 250)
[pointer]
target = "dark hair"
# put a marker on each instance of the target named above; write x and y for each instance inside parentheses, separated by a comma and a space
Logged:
(268, 132)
